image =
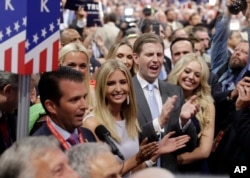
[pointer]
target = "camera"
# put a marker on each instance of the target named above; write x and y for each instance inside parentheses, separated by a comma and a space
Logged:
(237, 6)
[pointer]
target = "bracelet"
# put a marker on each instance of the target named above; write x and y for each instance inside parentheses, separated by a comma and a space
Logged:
(149, 163)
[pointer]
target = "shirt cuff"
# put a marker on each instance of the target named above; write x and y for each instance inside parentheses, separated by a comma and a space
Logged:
(184, 128)
(157, 126)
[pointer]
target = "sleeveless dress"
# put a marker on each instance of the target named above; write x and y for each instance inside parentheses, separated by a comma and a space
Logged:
(128, 146)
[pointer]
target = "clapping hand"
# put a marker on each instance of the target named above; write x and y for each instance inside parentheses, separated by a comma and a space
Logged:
(189, 109)
(168, 144)
(147, 150)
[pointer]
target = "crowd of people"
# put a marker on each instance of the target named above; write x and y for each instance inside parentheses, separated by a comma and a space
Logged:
(161, 92)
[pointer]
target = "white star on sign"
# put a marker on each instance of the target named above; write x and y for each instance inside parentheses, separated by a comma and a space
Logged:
(27, 44)
(24, 21)
(44, 32)
(51, 27)
(16, 26)
(1, 35)
(8, 31)
(35, 38)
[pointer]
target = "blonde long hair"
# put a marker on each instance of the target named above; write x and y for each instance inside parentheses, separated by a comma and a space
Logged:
(102, 112)
(203, 91)
(78, 47)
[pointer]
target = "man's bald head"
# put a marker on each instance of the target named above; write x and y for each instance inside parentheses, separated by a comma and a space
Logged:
(69, 35)
(153, 172)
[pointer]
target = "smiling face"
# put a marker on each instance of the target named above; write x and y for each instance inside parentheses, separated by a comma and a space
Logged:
(125, 54)
(117, 88)
(69, 113)
(150, 61)
(190, 78)
(76, 60)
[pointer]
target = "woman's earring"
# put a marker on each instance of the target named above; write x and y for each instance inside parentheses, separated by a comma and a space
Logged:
(128, 100)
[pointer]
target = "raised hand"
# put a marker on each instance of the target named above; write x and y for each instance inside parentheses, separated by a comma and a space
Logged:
(168, 144)
(189, 109)
(166, 111)
(243, 82)
(243, 100)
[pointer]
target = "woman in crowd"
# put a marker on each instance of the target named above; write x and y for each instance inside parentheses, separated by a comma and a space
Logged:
(116, 110)
(191, 74)
(123, 51)
(76, 56)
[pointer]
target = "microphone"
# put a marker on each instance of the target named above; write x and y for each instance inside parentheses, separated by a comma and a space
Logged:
(104, 135)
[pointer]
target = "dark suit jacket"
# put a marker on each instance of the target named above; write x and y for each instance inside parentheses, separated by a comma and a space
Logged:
(12, 119)
(44, 130)
(234, 148)
(145, 121)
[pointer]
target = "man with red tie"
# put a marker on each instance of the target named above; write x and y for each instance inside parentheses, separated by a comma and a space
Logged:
(62, 94)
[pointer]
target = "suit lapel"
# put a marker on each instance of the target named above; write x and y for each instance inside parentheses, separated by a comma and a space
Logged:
(163, 91)
(142, 105)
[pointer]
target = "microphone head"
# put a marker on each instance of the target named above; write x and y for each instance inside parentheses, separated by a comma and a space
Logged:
(101, 132)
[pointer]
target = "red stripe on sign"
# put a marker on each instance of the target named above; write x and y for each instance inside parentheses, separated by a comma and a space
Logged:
(43, 60)
(29, 67)
(55, 55)
(21, 58)
(7, 59)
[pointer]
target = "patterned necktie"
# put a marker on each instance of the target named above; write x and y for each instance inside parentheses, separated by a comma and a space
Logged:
(153, 105)
(73, 139)
(227, 80)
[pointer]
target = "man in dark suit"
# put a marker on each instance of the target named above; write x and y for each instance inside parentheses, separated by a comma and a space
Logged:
(62, 94)
(232, 146)
(8, 104)
(173, 114)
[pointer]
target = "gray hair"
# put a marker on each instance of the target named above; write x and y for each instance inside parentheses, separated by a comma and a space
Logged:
(8, 78)
(16, 161)
(82, 155)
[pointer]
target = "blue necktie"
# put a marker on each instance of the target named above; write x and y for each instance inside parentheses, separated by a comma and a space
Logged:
(227, 80)
(154, 109)
(153, 105)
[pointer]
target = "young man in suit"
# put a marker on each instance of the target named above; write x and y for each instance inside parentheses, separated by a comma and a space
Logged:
(8, 104)
(173, 114)
(62, 94)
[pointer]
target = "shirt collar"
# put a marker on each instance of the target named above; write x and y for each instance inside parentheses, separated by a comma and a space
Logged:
(65, 134)
(144, 83)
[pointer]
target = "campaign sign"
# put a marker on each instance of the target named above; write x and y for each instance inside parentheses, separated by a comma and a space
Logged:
(13, 26)
(93, 14)
(29, 35)
(74, 4)
(42, 39)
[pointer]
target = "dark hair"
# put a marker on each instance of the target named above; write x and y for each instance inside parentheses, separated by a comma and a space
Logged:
(180, 39)
(48, 85)
(112, 17)
(8, 78)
